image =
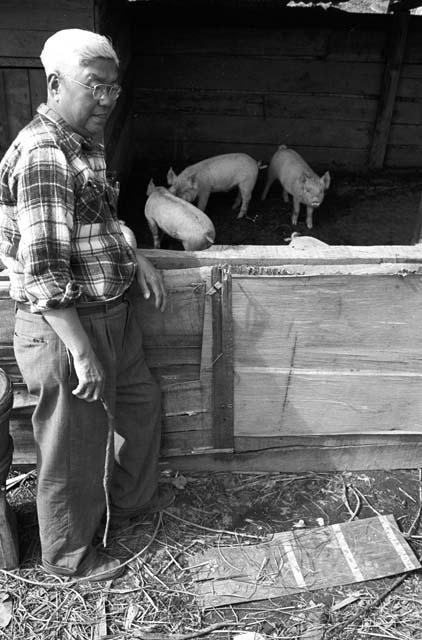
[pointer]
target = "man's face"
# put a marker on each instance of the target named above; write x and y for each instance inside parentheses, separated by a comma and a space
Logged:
(77, 105)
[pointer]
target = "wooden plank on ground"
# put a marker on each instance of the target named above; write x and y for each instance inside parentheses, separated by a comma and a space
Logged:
(313, 454)
(302, 560)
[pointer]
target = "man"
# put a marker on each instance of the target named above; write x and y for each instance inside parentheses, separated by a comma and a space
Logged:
(77, 285)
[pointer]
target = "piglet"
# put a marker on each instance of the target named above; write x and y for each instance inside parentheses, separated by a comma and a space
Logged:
(219, 173)
(178, 218)
(297, 179)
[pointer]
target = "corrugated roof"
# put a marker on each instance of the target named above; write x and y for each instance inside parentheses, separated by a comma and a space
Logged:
(351, 6)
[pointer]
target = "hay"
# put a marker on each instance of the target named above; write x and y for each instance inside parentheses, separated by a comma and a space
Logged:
(155, 598)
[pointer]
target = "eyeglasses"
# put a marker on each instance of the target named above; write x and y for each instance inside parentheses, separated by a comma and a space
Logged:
(100, 91)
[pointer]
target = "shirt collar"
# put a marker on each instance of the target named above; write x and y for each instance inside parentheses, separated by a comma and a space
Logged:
(75, 140)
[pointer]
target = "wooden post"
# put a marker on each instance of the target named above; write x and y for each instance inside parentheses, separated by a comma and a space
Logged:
(395, 55)
(222, 355)
(417, 232)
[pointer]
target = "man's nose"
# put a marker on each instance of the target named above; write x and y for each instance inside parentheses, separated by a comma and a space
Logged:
(106, 101)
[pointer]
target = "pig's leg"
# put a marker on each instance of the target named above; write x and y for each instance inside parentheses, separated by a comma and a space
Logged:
(203, 200)
(154, 230)
(270, 179)
(238, 200)
(309, 212)
(296, 209)
(245, 194)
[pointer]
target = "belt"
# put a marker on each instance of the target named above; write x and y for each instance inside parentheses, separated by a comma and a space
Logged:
(84, 309)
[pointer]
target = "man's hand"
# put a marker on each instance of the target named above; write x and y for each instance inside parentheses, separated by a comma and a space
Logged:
(151, 280)
(89, 370)
(91, 378)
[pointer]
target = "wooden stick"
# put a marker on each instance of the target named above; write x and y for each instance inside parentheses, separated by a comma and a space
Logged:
(186, 636)
(338, 627)
(107, 465)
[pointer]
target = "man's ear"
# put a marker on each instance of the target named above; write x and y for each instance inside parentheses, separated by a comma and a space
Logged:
(53, 85)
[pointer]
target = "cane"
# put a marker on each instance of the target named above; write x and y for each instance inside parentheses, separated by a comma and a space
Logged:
(107, 464)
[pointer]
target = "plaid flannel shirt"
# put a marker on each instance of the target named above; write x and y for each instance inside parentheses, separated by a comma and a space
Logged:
(60, 237)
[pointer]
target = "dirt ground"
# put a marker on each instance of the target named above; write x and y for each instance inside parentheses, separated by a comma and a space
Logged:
(376, 209)
(155, 599)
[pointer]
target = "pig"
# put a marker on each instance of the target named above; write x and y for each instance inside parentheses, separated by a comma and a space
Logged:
(219, 173)
(178, 218)
(297, 179)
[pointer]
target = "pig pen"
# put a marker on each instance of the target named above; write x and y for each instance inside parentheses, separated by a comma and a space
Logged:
(277, 357)
(359, 209)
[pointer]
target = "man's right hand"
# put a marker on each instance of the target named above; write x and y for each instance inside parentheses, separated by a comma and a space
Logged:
(91, 378)
(88, 369)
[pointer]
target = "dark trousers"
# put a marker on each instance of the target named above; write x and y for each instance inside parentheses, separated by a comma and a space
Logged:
(71, 434)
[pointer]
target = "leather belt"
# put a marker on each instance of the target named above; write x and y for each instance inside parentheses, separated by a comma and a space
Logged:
(83, 309)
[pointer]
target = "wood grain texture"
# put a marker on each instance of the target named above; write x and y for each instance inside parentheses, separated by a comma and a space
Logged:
(330, 354)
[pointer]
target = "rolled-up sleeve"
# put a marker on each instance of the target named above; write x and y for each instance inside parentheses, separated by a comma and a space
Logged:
(43, 188)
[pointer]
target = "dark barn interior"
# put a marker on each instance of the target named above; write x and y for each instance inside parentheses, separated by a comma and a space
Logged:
(340, 83)
(342, 88)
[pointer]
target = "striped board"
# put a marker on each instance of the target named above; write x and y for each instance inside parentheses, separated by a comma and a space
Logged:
(302, 560)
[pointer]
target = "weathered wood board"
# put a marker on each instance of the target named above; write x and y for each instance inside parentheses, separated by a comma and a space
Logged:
(302, 560)
(329, 354)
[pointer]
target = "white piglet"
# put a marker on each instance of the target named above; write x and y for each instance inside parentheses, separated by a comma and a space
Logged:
(297, 179)
(179, 219)
(219, 173)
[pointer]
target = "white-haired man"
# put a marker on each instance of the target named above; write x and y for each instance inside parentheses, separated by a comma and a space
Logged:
(77, 284)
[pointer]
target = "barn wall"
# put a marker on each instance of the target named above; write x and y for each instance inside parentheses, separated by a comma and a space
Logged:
(307, 78)
(24, 27)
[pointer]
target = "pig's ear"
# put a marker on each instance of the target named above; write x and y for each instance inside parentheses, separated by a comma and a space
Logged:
(171, 176)
(326, 179)
(150, 187)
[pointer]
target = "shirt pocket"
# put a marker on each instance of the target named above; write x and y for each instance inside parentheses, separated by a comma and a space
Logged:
(112, 195)
(91, 203)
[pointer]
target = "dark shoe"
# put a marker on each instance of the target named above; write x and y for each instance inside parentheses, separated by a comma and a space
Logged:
(95, 567)
(163, 497)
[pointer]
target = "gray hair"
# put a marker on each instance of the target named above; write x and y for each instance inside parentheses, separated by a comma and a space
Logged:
(71, 48)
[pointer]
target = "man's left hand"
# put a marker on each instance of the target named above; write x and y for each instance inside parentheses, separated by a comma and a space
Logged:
(151, 281)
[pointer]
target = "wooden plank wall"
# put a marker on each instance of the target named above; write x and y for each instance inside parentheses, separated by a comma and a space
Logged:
(341, 355)
(24, 27)
(179, 350)
(306, 78)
